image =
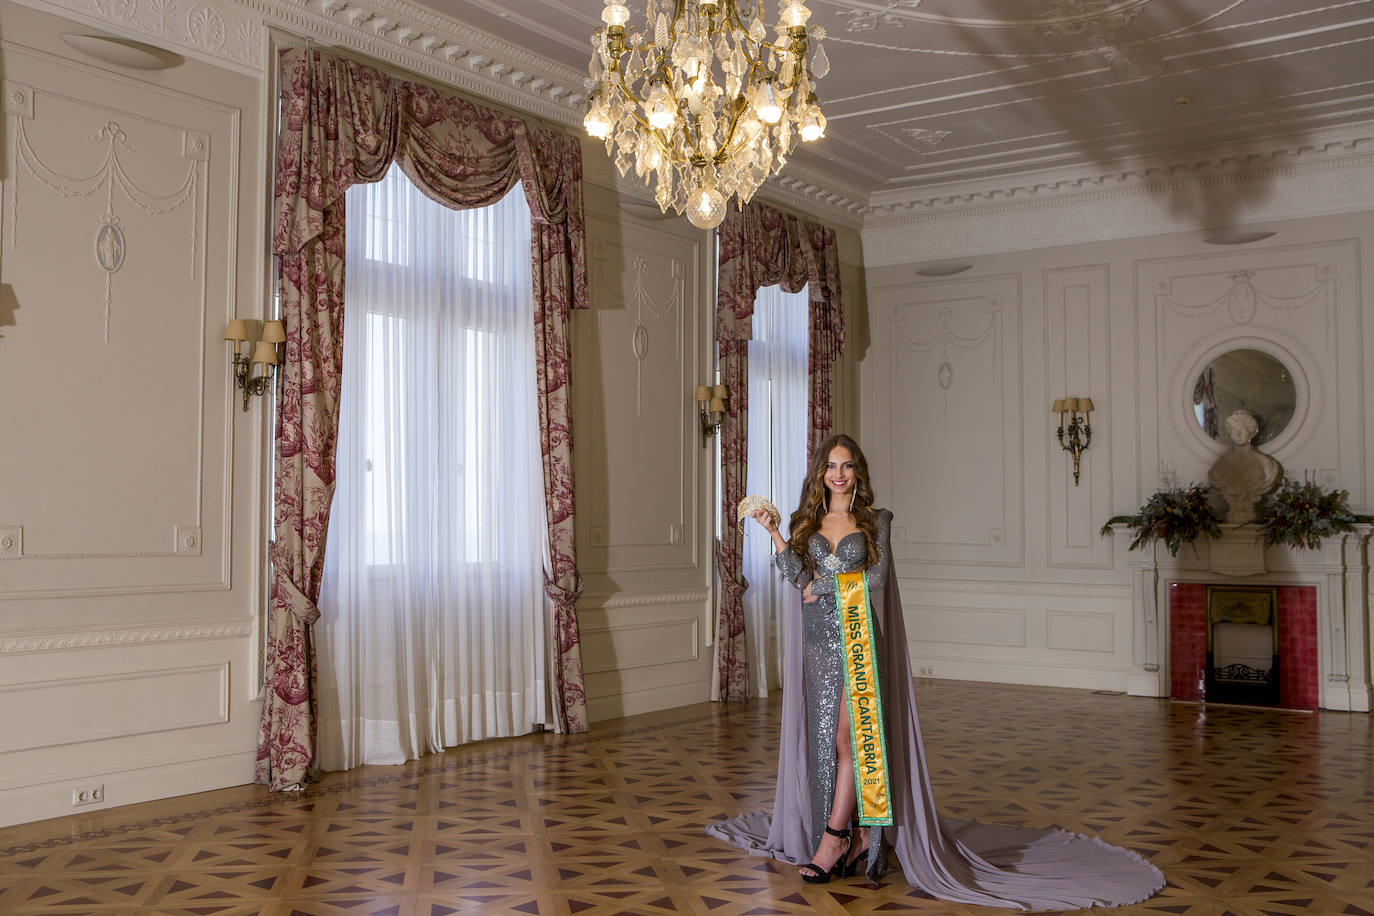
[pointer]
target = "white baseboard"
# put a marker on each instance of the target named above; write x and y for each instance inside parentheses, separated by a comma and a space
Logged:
(39, 801)
(1146, 685)
(649, 699)
(1000, 672)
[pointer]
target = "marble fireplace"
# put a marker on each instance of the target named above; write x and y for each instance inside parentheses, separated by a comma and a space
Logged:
(1321, 637)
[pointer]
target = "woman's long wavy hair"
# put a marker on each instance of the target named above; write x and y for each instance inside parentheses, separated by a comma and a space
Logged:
(806, 521)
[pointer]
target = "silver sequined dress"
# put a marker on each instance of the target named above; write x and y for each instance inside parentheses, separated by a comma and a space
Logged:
(822, 653)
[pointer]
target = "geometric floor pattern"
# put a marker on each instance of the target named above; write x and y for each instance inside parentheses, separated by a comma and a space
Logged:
(1247, 811)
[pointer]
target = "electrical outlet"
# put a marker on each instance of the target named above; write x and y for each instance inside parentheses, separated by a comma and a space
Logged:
(88, 795)
(925, 671)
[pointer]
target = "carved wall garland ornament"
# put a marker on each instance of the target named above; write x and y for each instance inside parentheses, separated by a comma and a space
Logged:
(945, 337)
(640, 298)
(11, 542)
(110, 244)
(1243, 299)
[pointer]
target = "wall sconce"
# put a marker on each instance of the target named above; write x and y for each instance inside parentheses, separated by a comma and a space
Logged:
(1076, 436)
(264, 355)
(710, 409)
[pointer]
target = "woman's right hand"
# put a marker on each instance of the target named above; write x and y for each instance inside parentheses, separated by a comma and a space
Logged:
(763, 517)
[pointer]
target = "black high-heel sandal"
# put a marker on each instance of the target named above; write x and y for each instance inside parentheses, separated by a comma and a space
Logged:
(857, 867)
(860, 864)
(820, 875)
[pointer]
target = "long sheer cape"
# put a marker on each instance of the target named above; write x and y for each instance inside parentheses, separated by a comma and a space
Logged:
(961, 861)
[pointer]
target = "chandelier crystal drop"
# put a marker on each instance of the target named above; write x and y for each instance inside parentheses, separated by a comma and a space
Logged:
(700, 103)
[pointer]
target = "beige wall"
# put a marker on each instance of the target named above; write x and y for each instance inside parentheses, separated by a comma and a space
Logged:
(1004, 574)
(130, 545)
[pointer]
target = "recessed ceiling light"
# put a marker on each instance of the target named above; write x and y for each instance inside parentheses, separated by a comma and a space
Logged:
(943, 269)
(1236, 236)
(122, 52)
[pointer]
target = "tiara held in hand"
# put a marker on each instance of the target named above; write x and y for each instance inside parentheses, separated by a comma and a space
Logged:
(752, 504)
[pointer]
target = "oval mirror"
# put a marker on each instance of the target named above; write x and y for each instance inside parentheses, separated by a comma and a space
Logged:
(1252, 379)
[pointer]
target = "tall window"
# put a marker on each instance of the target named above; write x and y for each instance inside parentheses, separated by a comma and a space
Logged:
(432, 603)
(777, 463)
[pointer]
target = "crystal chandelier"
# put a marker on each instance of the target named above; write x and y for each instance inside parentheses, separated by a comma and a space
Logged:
(702, 103)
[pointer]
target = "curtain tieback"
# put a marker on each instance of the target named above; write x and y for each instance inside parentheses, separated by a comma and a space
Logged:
(287, 592)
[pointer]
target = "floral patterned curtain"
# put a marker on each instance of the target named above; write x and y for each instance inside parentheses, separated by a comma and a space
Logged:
(762, 246)
(344, 122)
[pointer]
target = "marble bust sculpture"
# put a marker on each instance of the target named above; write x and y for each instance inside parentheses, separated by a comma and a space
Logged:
(1243, 474)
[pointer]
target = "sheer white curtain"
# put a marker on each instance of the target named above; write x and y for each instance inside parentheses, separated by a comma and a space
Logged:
(777, 463)
(432, 608)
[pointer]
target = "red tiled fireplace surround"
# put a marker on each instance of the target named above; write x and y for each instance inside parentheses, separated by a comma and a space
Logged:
(1298, 681)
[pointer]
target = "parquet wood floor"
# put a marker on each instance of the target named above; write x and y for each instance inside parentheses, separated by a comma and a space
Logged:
(1247, 811)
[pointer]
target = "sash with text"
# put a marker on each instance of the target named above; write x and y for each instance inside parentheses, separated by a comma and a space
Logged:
(865, 700)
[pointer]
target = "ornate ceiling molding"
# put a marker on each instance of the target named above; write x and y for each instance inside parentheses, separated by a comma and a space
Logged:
(1310, 176)
(232, 33)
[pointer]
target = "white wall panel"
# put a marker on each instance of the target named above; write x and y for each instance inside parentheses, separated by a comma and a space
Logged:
(1078, 361)
(131, 228)
(638, 355)
(1300, 303)
(972, 626)
(943, 421)
(72, 710)
(120, 228)
(1081, 632)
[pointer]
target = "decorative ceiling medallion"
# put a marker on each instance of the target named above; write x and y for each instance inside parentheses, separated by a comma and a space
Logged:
(1134, 60)
(926, 136)
(868, 19)
(1058, 13)
(1073, 17)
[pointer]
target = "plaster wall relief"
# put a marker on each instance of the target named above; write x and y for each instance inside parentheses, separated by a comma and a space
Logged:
(638, 351)
(644, 508)
(1300, 305)
(1078, 363)
(946, 378)
(124, 193)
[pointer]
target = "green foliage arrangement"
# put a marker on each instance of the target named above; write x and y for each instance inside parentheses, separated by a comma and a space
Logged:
(1301, 514)
(1175, 515)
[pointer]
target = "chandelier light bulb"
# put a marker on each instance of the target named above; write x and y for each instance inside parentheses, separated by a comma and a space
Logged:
(793, 14)
(813, 122)
(660, 110)
(705, 208)
(615, 13)
(770, 112)
(596, 122)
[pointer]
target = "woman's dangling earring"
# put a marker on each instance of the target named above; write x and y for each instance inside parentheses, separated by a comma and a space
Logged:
(853, 493)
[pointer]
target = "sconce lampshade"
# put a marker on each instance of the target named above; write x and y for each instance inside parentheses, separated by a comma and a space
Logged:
(717, 405)
(703, 393)
(273, 332)
(1085, 405)
(237, 331)
(719, 391)
(1057, 406)
(265, 353)
(1070, 405)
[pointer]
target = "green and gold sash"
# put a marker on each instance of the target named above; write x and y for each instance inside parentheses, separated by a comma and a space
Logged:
(865, 700)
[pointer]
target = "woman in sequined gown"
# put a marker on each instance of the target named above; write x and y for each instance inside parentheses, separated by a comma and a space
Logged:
(834, 530)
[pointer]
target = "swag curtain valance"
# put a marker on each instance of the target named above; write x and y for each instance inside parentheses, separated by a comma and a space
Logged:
(762, 246)
(344, 123)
